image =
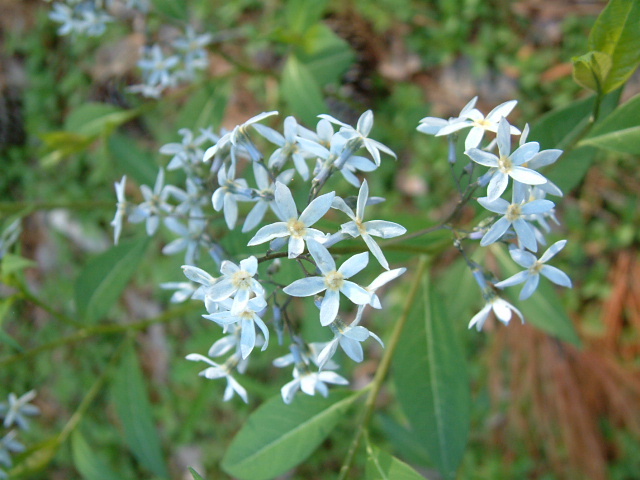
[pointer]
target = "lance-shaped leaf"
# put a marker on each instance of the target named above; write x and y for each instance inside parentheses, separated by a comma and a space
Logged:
(134, 410)
(105, 277)
(87, 462)
(431, 381)
(620, 131)
(277, 437)
(301, 91)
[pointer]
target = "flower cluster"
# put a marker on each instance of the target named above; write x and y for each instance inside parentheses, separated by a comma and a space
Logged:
(14, 413)
(523, 221)
(249, 302)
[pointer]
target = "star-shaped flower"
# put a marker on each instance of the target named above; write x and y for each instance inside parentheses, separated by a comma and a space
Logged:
(297, 228)
(231, 191)
(332, 280)
(535, 267)
(17, 409)
(310, 383)
(507, 164)
(215, 371)
(238, 281)
(358, 227)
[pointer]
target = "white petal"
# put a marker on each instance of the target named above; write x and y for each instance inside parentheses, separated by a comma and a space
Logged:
(355, 293)
(247, 337)
(552, 251)
(474, 137)
(376, 250)
(363, 196)
(495, 232)
(525, 234)
(329, 308)
(527, 176)
(530, 286)
(556, 275)
(525, 153)
(284, 201)
(317, 209)
(504, 138)
(499, 205)
(269, 232)
(384, 229)
(483, 158)
(295, 247)
(480, 318)
(322, 257)
(352, 348)
(249, 265)
(305, 287)
(197, 275)
(354, 264)
(522, 257)
(501, 110)
(497, 185)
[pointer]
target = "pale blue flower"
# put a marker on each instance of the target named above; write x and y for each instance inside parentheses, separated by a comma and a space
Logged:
(231, 191)
(155, 205)
(333, 281)
(297, 228)
(515, 214)
(266, 195)
(535, 267)
(192, 237)
(306, 353)
(81, 18)
(121, 209)
(358, 227)
(194, 56)
(310, 382)
(16, 410)
(507, 164)
(183, 290)
(238, 138)
(502, 309)
(9, 445)
(216, 370)
(349, 338)
(191, 201)
(157, 69)
(248, 316)
(289, 147)
(479, 124)
(188, 152)
(360, 135)
(237, 281)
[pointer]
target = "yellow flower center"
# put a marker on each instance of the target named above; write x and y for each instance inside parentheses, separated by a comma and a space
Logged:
(504, 164)
(514, 212)
(241, 279)
(296, 228)
(334, 280)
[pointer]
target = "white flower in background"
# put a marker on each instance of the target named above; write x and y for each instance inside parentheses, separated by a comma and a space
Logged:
(379, 281)
(80, 18)
(289, 148)
(188, 152)
(349, 338)
(248, 316)
(183, 290)
(502, 309)
(361, 133)
(333, 280)
(507, 164)
(237, 281)
(266, 195)
(534, 268)
(310, 383)
(121, 209)
(479, 124)
(297, 228)
(237, 138)
(358, 227)
(194, 56)
(8, 445)
(16, 409)
(215, 371)
(154, 207)
(231, 191)
(192, 237)
(515, 214)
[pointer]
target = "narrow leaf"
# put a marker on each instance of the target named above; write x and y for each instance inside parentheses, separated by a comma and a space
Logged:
(105, 277)
(134, 410)
(301, 91)
(87, 462)
(620, 131)
(617, 34)
(432, 384)
(277, 437)
(195, 475)
(382, 466)
(544, 309)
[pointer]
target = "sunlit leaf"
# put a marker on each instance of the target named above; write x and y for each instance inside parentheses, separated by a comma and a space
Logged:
(134, 410)
(620, 131)
(301, 91)
(431, 381)
(104, 278)
(277, 437)
(195, 475)
(382, 466)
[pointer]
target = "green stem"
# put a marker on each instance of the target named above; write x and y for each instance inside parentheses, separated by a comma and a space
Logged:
(382, 371)
(16, 207)
(96, 330)
(29, 297)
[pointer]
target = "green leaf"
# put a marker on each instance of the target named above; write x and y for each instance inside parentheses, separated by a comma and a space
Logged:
(404, 441)
(134, 410)
(620, 131)
(616, 33)
(87, 462)
(301, 91)
(14, 263)
(138, 163)
(277, 437)
(562, 126)
(105, 277)
(94, 119)
(205, 108)
(195, 475)
(431, 381)
(301, 15)
(326, 55)
(382, 466)
(591, 70)
(177, 10)
(543, 309)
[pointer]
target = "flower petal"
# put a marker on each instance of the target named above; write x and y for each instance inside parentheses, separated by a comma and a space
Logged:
(305, 287)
